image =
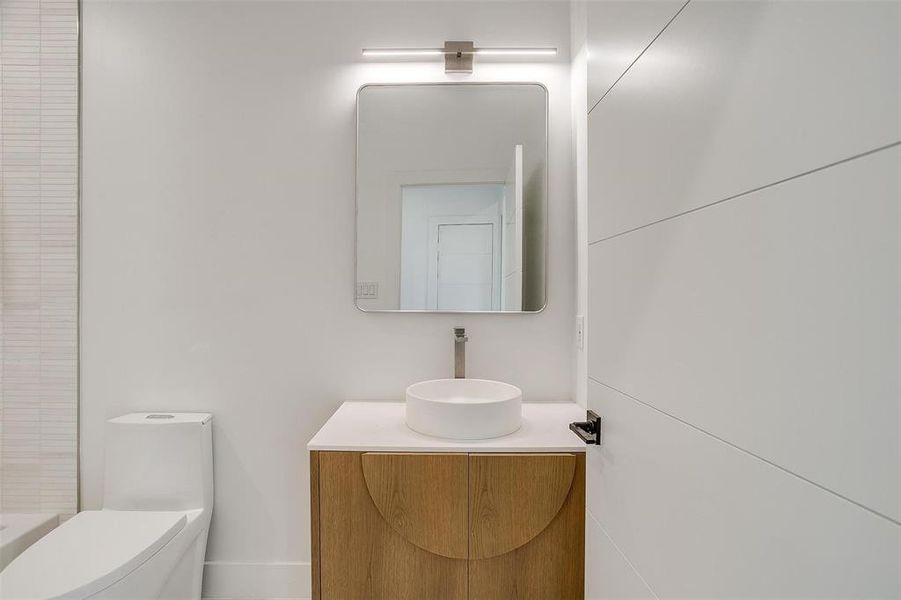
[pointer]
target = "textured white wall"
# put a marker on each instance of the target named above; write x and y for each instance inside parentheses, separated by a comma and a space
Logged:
(218, 178)
(743, 287)
(39, 256)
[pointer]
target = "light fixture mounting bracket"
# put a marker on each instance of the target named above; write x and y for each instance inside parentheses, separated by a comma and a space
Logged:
(458, 57)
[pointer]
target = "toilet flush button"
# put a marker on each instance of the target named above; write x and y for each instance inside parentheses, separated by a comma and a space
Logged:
(160, 417)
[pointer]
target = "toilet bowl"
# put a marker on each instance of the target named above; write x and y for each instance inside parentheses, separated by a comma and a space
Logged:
(149, 540)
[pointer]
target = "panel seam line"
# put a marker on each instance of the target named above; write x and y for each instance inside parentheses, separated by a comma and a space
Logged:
(748, 192)
(621, 553)
(749, 453)
(632, 64)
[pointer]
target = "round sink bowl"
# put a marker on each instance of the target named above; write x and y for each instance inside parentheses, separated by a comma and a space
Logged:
(464, 409)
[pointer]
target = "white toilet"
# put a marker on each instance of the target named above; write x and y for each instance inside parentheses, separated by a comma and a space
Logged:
(149, 540)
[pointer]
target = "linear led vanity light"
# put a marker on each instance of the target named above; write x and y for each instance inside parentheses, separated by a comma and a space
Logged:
(516, 51)
(458, 55)
(403, 51)
(441, 51)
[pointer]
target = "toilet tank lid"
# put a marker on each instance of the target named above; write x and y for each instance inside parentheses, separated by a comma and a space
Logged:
(161, 418)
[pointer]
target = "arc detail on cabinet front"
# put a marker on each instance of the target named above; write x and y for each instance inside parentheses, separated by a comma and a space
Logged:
(398, 526)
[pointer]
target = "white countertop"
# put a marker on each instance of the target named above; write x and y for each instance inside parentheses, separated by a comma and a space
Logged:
(380, 426)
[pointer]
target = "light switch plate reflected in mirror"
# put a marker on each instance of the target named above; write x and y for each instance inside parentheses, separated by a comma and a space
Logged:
(368, 290)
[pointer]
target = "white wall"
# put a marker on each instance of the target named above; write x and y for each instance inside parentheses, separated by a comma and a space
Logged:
(578, 81)
(217, 256)
(39, 256)
(743, 293)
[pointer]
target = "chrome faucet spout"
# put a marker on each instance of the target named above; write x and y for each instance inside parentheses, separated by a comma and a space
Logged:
(460, 339)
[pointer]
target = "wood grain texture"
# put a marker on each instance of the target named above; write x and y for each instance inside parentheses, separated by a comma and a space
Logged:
(550, 566)
(362, 556)
(423, 497)
(513, 498)
(314, 522)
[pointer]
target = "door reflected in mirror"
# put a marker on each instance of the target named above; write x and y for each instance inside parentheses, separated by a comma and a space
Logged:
(451, 197)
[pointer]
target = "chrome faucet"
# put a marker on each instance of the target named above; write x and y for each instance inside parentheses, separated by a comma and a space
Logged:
(460, 339)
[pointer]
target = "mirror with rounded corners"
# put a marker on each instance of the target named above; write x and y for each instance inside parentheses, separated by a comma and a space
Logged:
(451, 187)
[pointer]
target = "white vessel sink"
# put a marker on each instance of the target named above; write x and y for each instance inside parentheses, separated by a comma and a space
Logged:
(464, 409)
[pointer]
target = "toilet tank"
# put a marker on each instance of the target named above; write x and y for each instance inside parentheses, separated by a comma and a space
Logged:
(159, 461)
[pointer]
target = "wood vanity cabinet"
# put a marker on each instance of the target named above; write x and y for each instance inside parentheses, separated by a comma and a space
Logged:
(428, 526)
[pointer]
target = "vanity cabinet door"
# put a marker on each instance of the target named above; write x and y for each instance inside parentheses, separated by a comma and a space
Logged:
(526, 526)
(390, 526)
(405, 526)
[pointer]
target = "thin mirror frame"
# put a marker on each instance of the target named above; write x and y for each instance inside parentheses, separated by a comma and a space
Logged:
(357, 198)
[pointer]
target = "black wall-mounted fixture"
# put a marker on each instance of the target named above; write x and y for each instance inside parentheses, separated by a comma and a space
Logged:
(589, 430)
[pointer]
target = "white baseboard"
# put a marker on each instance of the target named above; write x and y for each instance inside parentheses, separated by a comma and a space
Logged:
(257, 581)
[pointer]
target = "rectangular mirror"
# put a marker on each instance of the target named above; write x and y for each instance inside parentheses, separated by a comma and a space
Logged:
(451, 197)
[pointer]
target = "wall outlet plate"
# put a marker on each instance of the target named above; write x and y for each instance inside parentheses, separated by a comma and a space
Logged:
(580, 332)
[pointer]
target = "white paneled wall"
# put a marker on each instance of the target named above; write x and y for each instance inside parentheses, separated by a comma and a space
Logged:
(38, 255)
(619, 33)
(610, 575)
(737, 95)
(743, 293)
(699, 518)
(783, 307)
